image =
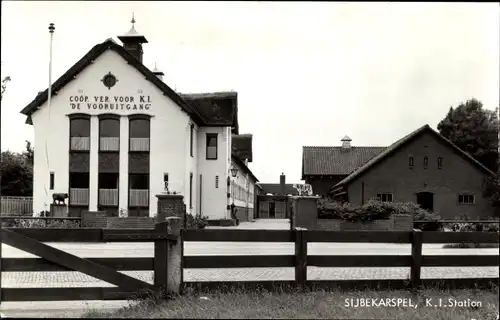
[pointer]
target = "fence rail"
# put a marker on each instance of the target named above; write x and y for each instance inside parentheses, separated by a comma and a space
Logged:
(301, 259)
(17, 205)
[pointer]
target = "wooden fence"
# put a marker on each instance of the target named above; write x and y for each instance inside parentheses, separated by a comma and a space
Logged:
(169, 260)
(16, 205)
(301, 259)
(165, 236)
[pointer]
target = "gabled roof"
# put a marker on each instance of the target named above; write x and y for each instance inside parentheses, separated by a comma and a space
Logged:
(335, 160)
(242, 146)
(225, 117)
(404, 141)
(245, 168)
(275, 188)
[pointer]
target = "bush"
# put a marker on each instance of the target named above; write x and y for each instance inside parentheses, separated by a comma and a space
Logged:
(196, 222)
(475, 227)
(377, 210)
(41, 223)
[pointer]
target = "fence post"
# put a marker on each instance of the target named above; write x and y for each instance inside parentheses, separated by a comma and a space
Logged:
(416, 258)
(160, 258)
(300, 258)
(168, 257)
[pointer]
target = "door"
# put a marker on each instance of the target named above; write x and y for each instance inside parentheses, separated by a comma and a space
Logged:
(263, 209)
(272, 209)
(426, 200)
(280, 209)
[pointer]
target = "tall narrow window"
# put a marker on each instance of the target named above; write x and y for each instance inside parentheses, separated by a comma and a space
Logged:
(51, 182)
(191, 138)
(440, 162)
(79, 132)
(426, 162)
(139, 133)
(410, 162)
(191, 190)
(211, 146)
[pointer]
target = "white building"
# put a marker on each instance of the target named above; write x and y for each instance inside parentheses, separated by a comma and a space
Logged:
(115, 135)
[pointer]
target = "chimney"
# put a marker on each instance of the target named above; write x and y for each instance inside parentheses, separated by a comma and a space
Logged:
(132, 42)
(282, 184)
(346, 142)
(158, 73)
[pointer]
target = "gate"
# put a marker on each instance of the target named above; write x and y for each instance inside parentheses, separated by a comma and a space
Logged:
(164, 235)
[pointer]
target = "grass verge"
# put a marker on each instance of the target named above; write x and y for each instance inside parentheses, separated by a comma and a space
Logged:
(470, 245)
(339, 304)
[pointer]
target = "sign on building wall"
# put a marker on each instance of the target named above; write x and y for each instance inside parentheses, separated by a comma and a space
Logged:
(110, 103)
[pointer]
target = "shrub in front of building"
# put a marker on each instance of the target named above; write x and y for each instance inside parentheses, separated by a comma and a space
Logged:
(196, 221)
(378, 210)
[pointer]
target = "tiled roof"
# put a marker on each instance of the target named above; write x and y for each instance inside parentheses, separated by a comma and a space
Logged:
(403, 141)
(215, 108)
(276, 188)
(335, 160)
(242, 146)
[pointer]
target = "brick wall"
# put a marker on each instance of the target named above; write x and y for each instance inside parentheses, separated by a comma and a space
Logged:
(131, 222)
(241, 213)
(94, 219)
(170, 206)
(396, 223)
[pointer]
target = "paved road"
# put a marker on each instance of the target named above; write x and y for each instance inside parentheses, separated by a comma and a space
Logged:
(76, 279)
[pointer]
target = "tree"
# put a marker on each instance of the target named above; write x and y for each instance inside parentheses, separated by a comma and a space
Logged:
(17, 175)
(492, 191)
(474, 130)
(5, 80)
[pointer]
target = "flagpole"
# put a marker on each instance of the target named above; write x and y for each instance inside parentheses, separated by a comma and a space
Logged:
(51, 31)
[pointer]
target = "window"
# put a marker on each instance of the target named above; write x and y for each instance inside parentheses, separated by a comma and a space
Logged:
(211, 146)
(190, 190)
(426, 162)
(108, 180)
(384, 197)
(440, 162)
(466, 199)
(139, 133)
(191, 138)
(80, 127)
(51, 182)
(165, 180)
(410, 162)
(216, 181)
(109, 134)
(139, 181)
(79, 130)
(139, 128)
(79, 180)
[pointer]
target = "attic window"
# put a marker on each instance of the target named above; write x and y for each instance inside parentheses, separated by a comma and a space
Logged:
(426, 162)
(410, 162)
(440, 162)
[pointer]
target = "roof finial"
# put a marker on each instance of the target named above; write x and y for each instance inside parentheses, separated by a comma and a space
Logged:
(133, 20)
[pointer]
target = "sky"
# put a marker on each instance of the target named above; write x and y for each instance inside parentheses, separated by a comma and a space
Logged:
(306, 73)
